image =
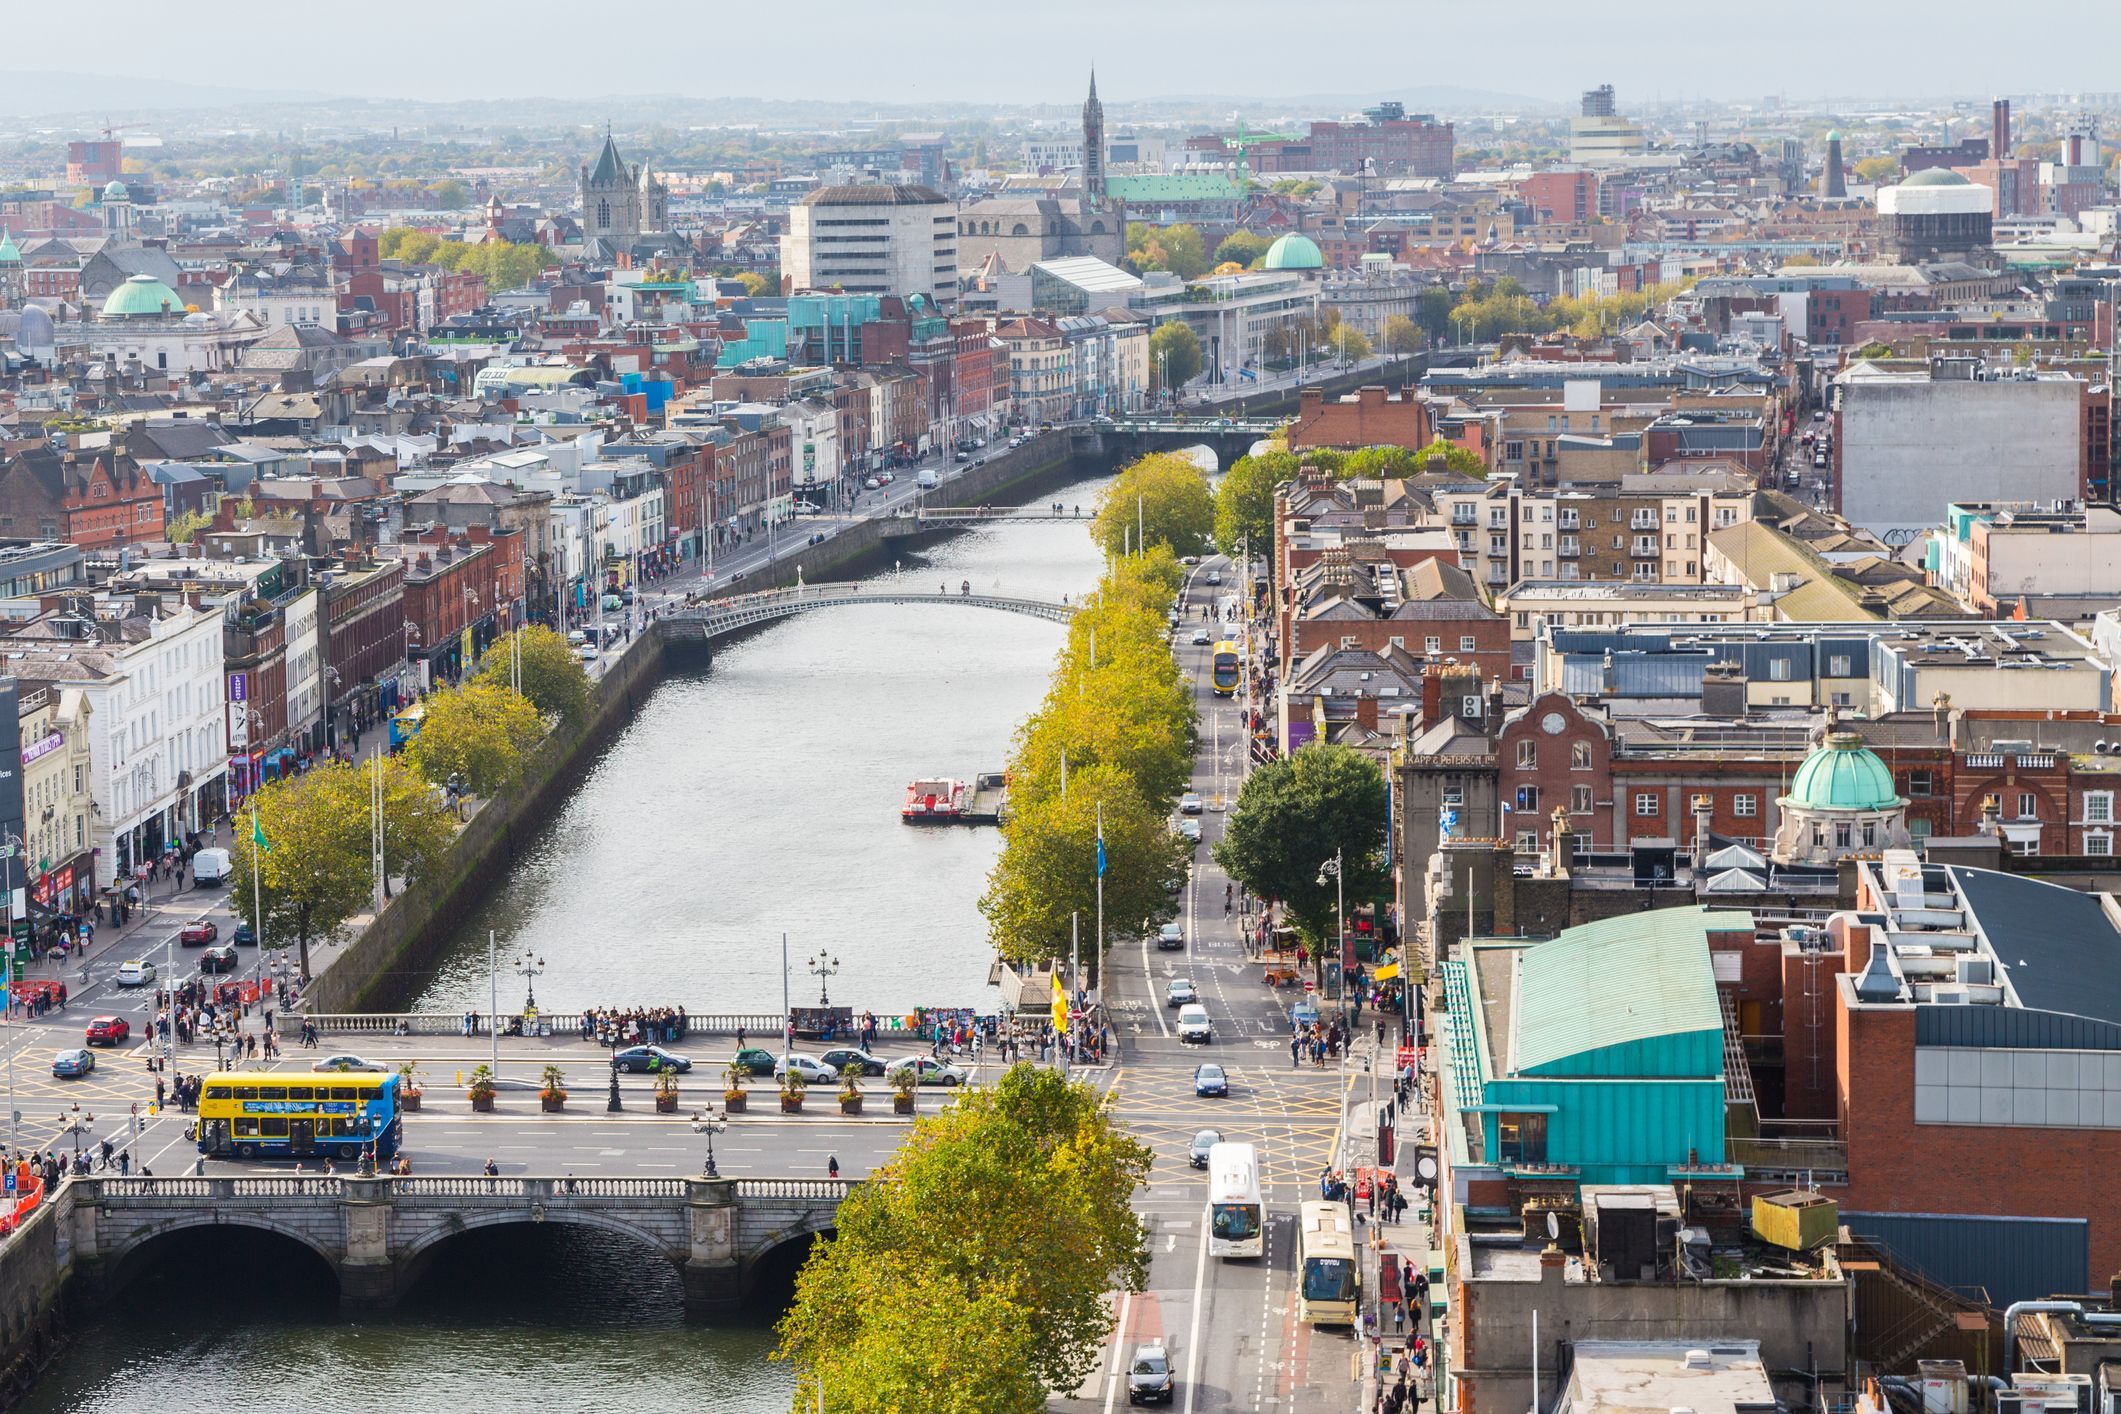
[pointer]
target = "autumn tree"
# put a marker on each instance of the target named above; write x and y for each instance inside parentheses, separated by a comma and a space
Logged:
(1174, 355)
(450, 194)
(551, 675)
(1244, 502)
(970, 1273)
(1402, 335)
(1242, 248)
(1292, 816)
(478, 734)
(1160, 499)
(1874, 170)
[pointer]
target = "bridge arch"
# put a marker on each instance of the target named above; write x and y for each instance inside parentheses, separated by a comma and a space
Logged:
(782, 1254)
(418, 1254)
(125, 1263)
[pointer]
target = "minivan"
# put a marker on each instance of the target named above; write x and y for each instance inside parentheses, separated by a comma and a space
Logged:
(209, 867)
(1193, 1024)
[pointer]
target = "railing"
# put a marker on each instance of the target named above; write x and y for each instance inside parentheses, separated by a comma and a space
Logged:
(834, 1188)
(726, 615)
(569, 1187)
(215, 1188)
(451, 1023)
(219, 1189)
(1819, 1156)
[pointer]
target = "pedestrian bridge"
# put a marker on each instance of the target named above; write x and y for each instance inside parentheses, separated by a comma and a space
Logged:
(377, 1235)
(718, 617)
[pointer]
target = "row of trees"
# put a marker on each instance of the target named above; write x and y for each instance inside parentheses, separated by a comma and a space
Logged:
(504, 265)
(1486, 311)
(310, 836)
(1244, 502)
(1161, 500)
(970, 1272)
(1109, 749)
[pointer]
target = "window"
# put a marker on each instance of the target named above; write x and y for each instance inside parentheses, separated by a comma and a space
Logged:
(1580, 800)
(1528, 841)
(1745, 806)
(1527, 755)
(1842, 837)
(1527, 798)
(2028, 805)
(1646, 803)
(1521, 1138)
(1870, 833)
(1579, 756)
(1432, 644)
(1467, 643)
(2098, 842)
(1837, 666)
(2099, 806)
(1778, 670)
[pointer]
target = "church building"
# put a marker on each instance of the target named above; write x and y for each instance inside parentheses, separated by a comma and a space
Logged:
(1019, 230)
(625, 210)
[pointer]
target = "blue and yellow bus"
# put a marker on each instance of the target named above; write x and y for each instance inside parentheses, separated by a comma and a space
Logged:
(406, 725)
(1224, 663)
(256, 1114)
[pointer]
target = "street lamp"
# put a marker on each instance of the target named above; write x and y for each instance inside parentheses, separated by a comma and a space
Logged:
(611, 1101)
(710, 1126)
(530, 969)
(1332, 869)
(823, 968)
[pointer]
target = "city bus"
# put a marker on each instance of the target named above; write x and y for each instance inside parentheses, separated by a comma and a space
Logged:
(406, 725)
(1325, 1259)
(1237, 1216)
(1225, 664)
(254, 1114)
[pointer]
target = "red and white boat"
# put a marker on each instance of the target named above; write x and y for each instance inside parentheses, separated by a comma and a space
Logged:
(937, 801)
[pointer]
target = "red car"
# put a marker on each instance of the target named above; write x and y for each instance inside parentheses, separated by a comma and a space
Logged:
(198, 933)
(108, 1031)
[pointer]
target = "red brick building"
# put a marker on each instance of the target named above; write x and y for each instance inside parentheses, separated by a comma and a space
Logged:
(1372, 418)
(97, 498)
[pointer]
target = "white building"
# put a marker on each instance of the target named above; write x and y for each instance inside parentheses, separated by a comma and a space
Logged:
(814, 440)
(873, 240)
(1600, 134)
(305, 668)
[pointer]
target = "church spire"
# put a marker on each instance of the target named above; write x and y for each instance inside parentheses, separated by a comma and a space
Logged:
(1093, 148)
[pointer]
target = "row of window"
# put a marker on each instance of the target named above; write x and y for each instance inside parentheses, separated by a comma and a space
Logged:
(1649, 804)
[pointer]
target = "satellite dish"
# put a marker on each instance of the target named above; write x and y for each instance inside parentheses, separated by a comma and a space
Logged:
(1553, 1228)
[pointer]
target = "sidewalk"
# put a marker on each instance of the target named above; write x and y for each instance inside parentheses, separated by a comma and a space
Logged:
(1409, 1242)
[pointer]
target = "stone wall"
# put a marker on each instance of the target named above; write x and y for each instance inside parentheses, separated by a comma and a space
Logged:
(34, 1264)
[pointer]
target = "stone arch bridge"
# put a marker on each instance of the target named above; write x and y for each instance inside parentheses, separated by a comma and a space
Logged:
(379, 1234)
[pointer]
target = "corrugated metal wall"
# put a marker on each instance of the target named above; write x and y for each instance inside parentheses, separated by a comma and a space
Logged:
(2014, 1259)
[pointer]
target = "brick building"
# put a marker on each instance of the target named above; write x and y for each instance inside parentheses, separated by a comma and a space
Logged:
(95, 497)
(1371, 418)
(361, 622)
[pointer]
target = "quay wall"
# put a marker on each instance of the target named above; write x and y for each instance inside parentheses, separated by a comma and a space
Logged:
(34, 1265)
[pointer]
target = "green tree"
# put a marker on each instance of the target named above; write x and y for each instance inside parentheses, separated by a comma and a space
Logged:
(1348, 343)
(1131, 709)
(552, 676)
(1402, 335)
(1380, 463)
(1291, 816)
(1244, 502)
(1241, 247)
(185, 527)
(969, 1274)
(450, 194)
(1165, 497)
(477, 733)
(1432, 310)
(1174, 355)
(1873, 170)
(1178, 249)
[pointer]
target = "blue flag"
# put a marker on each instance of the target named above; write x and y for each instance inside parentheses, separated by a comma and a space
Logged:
(1101, 841)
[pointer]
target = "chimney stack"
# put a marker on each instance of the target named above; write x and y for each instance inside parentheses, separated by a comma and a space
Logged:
(1999, 137)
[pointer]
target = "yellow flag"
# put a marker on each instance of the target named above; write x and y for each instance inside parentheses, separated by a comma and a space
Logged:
(1385, 973)
(1060, 1003)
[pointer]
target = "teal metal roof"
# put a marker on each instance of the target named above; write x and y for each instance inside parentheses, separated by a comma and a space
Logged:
(1169, 188)
(142, 295)
(1293, 251)
(1610, 985)
(1843, 774)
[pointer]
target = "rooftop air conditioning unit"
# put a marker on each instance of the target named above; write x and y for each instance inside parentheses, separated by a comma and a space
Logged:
(1976, 971)
(1950, 996)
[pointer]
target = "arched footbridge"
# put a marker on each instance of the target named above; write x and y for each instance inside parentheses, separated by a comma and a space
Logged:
(718, 617)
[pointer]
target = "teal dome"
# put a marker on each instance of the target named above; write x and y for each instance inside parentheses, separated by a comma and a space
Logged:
(1293, 252)
(1844, 774)
(141, 296)
(117, 191)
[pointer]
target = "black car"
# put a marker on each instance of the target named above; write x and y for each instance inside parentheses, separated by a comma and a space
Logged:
(219, 958)
(840, 1057)
(635, 1059)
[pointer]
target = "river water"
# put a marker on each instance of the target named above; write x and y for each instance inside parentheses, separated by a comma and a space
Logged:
(757, 797)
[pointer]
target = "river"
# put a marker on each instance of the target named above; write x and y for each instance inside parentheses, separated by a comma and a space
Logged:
(757, 797)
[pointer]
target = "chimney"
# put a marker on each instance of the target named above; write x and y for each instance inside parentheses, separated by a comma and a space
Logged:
(1431, 697)
(1941, 704)
(1704, 811)
(1723, 690)
(1999, 137)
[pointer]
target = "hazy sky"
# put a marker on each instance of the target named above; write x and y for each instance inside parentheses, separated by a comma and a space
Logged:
(1009, 50)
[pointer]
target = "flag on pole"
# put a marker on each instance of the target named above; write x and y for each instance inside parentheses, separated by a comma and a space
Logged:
(1100, 840)
(1060, 1001)
(257, 833)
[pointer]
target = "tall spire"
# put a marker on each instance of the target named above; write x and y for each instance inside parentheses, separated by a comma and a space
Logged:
(1093, 148)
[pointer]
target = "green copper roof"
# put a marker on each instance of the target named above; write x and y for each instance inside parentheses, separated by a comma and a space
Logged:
(1152, 189)
(142, 295)
(10, 253)
(1844, 774)
(1293, 252)
(1621, 981)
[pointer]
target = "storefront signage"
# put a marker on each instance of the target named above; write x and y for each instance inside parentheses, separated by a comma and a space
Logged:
(238, 687)
(43, 748)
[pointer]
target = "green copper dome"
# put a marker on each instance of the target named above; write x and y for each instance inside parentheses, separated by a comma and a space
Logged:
(10, 253)
(140, 296)
(1936, 177)
(1844, 774)
(1293, 252)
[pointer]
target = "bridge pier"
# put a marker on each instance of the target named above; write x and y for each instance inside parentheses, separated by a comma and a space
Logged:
(713, 1269)
(368, 1273)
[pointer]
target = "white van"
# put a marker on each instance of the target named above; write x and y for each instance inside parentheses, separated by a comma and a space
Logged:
(1193, 1024)
(209, 867)
(928, 481)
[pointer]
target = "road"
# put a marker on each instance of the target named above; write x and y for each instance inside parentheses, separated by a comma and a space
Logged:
(1230, 1325)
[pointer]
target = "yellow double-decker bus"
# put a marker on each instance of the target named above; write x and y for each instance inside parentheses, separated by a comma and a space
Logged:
(1225, 665)
(1329, 1282)
(254, 1114)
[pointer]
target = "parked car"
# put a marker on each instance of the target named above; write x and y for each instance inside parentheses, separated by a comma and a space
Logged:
(1197, 1151)
(347, 1065)
(218, 958)
(107, 1031)
(72, 1065)
(840, 1057)
(198, 933)
(1209, 1079)
(1170, 938)
(928, 1071)
(1189, 803)
(1149, 1378)
(134, 973)
(810, 1068)
(1179, 991)
(639, 1058)
(1189, 560)
(753, 1061)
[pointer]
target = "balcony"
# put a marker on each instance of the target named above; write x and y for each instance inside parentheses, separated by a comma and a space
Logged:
(1646, 546)
(1568, 546)
(1643, 520)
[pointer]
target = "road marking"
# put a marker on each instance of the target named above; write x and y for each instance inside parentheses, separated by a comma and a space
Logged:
(1119, 1359)
(1200, 1281)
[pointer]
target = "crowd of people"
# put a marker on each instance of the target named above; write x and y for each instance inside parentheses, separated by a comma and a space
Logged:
(634, 1026)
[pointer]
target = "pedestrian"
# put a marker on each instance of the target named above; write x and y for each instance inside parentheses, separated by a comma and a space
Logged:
(832, 1166)
(1296, 1051)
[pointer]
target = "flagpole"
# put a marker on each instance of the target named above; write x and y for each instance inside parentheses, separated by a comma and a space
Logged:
(1100, 878)
(257, 906)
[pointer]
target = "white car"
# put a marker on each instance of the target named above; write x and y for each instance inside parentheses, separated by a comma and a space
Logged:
(813, 1070)
(135, 973)
(1190, 829)
(1193, 1024)
(872, 484)
(1189, 803)
(929, 1071)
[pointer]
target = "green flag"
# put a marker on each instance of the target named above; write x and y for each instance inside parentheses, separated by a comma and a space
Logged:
(257, 833)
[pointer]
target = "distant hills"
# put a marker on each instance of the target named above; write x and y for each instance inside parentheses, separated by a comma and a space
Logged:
(48, 93)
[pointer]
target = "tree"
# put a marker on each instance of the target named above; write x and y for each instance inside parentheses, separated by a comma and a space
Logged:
(1178, 249)
(315, 870)
(1432, 310)
(970, 1273)
(1873, 170)
(478, 734)
(1244, 502)
(450, 194)
(1380, 463)
(1350, 343)
(756, 284)
(1165, 497)
(1174, 355)
(1241, 247)
(552, 676)
(1131, 709)
(1402, 335)
(1291, 816)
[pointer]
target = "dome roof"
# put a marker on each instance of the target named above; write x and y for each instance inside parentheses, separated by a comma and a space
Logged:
(1293, 252)
(142, 295)
(1843, 774)
(1936, 177)
(1834, 136)
(117, 191)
